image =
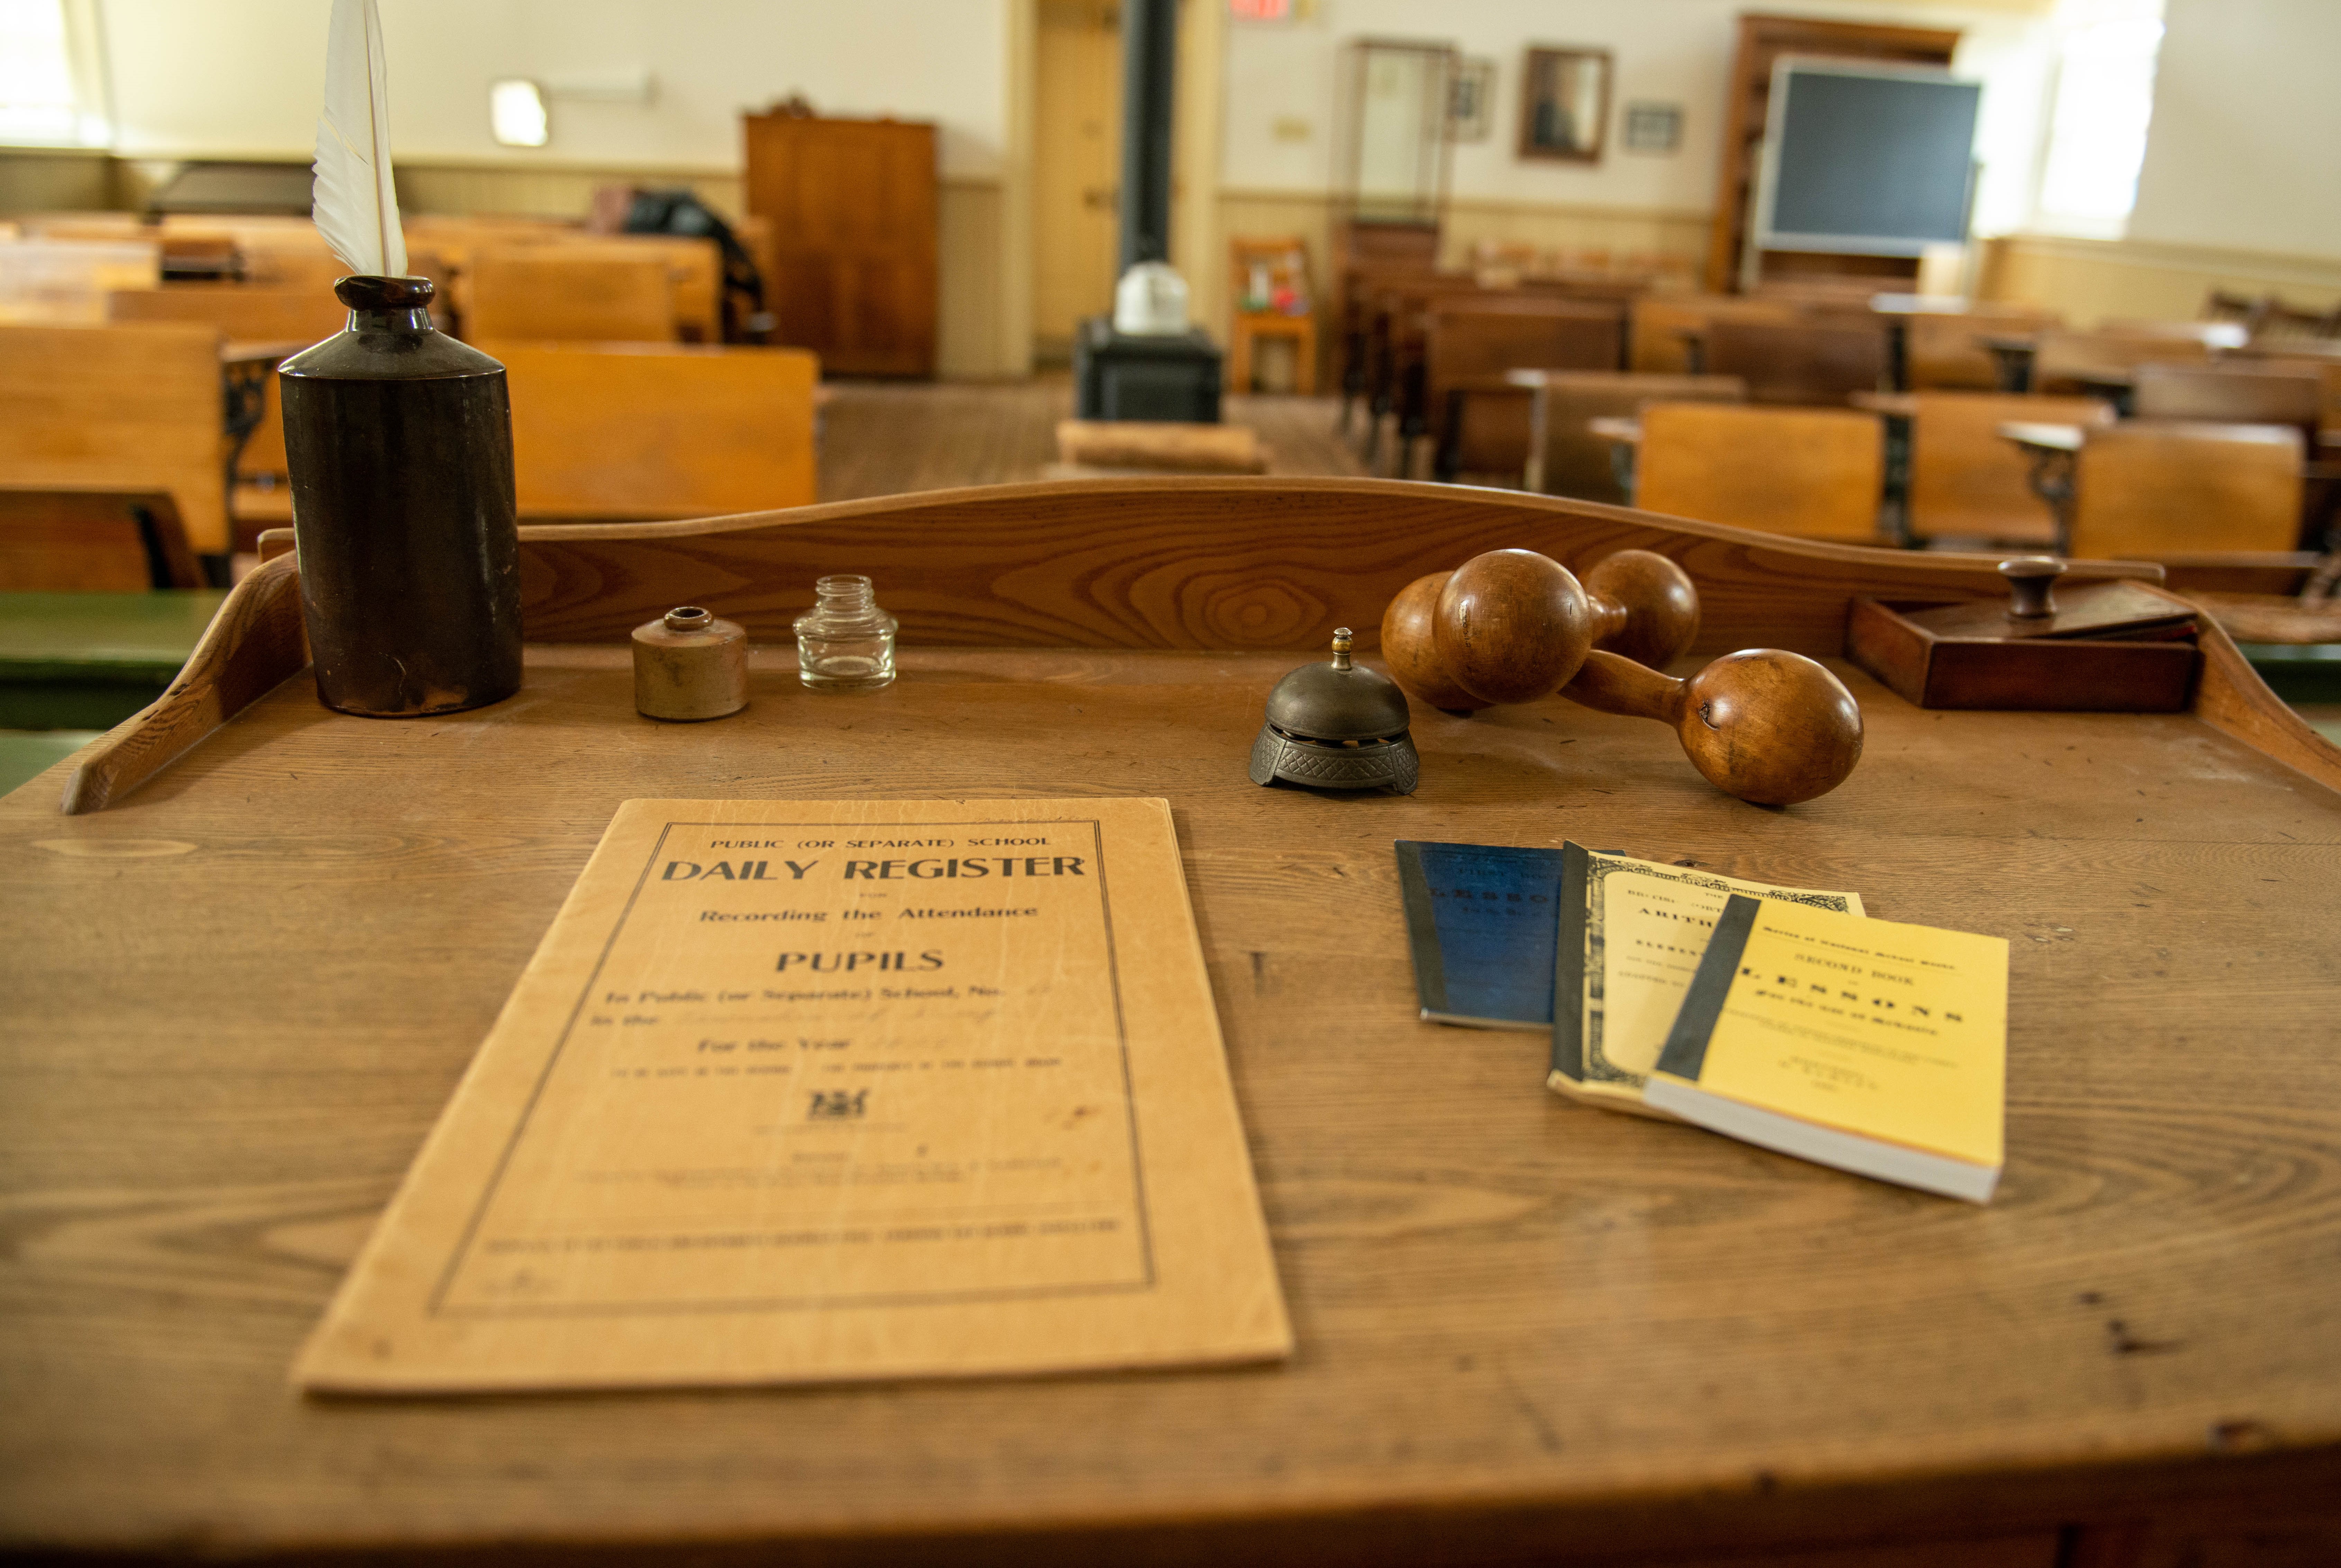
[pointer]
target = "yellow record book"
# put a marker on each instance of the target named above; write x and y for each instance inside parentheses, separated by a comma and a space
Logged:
(1867, 1045)
(801, 1090)
(1630, 939)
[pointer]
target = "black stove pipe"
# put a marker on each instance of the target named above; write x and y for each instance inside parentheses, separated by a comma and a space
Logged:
(1149, 56)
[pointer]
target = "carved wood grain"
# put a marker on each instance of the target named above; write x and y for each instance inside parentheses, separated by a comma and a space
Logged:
(252, 646)
(1205, 563)
(2231, 698)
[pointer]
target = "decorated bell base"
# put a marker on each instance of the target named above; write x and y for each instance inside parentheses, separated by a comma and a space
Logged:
(1337, 727)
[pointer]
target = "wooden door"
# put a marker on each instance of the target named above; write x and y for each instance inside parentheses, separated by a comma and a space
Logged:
(1076, 169)
(852, 209)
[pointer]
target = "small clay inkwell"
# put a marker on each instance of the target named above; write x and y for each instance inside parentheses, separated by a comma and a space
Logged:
(1337, 727)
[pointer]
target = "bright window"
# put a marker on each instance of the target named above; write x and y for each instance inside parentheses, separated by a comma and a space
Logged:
(47, 95)
(2097, 128)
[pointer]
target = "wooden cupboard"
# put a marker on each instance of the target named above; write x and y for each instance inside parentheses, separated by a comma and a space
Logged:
(852, 208)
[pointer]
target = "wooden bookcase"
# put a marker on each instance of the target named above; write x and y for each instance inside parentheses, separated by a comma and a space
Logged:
(852, 209)
(1763, 40)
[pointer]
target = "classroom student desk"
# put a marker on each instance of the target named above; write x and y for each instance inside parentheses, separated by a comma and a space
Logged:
(1528, 1330)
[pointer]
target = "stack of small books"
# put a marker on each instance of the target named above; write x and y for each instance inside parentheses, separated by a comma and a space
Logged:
(1783, 1016)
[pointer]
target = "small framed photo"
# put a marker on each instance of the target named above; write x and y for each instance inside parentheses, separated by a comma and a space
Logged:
(1653, 127)
(1564, 104)
(1471, 101)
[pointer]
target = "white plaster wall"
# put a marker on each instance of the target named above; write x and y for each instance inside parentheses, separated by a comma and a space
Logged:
(243, 77)
(1666, 51)
(2241, 153)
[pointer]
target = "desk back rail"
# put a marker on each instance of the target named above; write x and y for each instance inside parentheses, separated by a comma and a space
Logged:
(1210, 564)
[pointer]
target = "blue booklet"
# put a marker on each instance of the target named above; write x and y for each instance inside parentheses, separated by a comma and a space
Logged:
(1483, 920)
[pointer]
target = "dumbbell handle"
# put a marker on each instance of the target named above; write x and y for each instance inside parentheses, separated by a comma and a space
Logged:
(1611, 683)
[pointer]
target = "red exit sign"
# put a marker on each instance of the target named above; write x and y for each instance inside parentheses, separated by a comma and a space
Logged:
(1260, 10)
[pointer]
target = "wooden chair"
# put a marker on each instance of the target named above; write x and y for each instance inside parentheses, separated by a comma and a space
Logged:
(1942, 352)
(643, 430)
(61, 282)
(2151, 488)
(1284, 311)
(1656, 324)
(1575, 462)
(129, 408)
(77, 539)
(1815, 473)
(2067, 362)
(1966, 480)
(549, 294)
(2224, 393)
(294, 315)
(694, 274)
(1804, 362)
(1480, 421)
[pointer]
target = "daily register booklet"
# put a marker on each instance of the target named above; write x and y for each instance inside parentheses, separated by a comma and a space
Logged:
(801, 1091)
(1867, 1045)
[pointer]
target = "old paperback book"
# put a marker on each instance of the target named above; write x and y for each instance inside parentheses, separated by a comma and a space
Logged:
(1480, 919)
(799, 1091)
(1867, 1045)
(1630, 934)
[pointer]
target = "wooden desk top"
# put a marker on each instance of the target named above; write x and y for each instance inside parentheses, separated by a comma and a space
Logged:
(1892, 404)
(1618, 430)
(240, 996)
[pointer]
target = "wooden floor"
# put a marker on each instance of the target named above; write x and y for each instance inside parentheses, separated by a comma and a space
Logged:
(885, 438)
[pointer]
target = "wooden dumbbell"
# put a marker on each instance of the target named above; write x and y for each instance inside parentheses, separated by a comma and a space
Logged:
(1517, 624)
(1769, 727)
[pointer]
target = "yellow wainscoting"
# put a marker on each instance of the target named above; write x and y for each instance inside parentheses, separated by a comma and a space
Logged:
(2091, 281)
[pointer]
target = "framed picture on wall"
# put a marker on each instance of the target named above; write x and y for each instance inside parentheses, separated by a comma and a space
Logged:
(1564, 104)
(1653, 127)
(1471, 101)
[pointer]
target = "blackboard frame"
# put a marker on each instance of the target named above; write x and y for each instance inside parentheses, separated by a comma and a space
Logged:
(1765, 235)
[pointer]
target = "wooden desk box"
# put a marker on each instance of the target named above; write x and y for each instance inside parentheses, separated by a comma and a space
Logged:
(2065, 675)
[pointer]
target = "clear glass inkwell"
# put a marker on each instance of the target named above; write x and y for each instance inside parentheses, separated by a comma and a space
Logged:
(845, 642)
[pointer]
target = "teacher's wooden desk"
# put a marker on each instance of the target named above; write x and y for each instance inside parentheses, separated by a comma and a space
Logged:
(1528, 1330)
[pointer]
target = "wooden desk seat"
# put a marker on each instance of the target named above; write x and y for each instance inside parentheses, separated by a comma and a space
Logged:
(60, 283)
(80, 539)
(120, 408)
(2062, 361)
(548, 293)
(2149, 487)
(1815, 473)
(2224, 393)
(694, 274)
(640, 430)
(1656, 324)
(1576, 462)
(300, 315)
(1480, 420)
(1943, 352)
(1529, 1331)
(1966, 480)
(1809, 361)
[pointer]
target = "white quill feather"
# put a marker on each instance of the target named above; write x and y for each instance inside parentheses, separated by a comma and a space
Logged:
(354, 203)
